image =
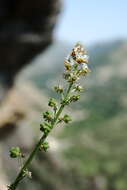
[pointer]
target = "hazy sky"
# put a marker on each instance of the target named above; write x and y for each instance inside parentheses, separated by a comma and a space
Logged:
(92, 20)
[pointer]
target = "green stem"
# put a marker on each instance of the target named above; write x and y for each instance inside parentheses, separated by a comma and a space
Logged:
(21, 175)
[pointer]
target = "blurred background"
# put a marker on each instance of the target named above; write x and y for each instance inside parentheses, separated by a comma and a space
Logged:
(35, 38)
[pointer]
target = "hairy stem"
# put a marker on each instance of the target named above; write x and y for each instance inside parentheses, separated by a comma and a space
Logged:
(21, 175)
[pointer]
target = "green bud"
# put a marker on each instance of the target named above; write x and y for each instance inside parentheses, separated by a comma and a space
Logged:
(52, 103)
(45, 128)
(66, 75)
(59, 89)
(73, 77)
(67, 118)
(78, 88)
(74, 98)
(44, 146)
(70, 77)
(65, 102)
(15, 152)
(47, 116)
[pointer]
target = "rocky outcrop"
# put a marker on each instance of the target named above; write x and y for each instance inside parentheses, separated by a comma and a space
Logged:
(26, 29)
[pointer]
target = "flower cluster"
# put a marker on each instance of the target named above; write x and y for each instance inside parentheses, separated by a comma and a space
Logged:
(15, 152)
(76, 64)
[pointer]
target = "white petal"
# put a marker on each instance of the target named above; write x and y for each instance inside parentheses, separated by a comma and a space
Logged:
(84, 66)
(72, 61)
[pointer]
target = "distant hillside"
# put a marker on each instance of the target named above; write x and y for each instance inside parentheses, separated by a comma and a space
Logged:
(98, 142)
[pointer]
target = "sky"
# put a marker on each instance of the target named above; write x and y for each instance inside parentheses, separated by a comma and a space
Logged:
(92, 21)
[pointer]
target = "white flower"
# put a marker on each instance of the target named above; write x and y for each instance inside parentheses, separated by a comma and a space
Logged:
(82, 58)
(71, 61)
(77, 60)
(83, 66)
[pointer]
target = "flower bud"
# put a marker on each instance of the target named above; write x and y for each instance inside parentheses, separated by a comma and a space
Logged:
(44, 146)
(67, 65)
(45, 128)
(47, 116)
(66, 75)
(15, 152)
(65, 102)
(74, 98)
(59, 89)
(73, 77)
(52, 103)
(67, 118)
(78, 88)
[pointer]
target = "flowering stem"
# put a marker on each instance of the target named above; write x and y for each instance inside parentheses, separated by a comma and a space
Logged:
(76, 67)
(21, 174)
(62, 106)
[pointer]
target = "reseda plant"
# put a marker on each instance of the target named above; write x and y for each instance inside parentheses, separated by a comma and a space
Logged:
(76, 66)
